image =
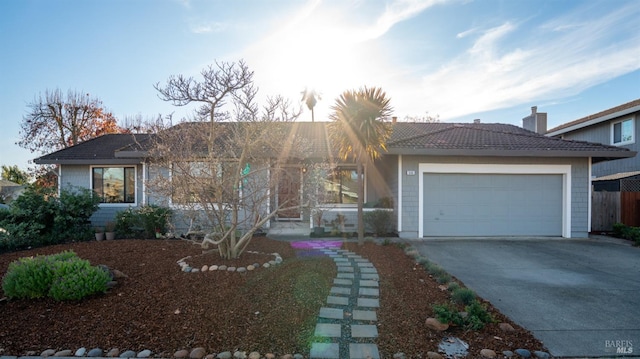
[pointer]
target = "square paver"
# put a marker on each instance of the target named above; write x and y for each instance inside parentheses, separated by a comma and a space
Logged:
(343, 264)
(346, 275)
(339, 281)
(368, 302)
(340, 290)
(368, 283)
(365, 264)
(337, 300)
(340, 259)
(369, 315)
(364, 331)
(325, 351)
(363, 351)
(346, 269)
(369, 276)
(361, 260)
(328, 330)
(368, 270)
(371, 292)
(331, 313)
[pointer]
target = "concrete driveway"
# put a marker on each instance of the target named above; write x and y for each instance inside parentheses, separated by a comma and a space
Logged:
(580, 297)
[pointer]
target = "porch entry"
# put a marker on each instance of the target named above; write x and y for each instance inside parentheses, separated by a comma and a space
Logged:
(289, 193)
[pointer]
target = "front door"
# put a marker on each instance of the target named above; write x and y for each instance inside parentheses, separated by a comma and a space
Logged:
(289, 193)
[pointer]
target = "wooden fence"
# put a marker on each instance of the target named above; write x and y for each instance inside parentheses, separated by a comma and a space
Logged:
(608, 208)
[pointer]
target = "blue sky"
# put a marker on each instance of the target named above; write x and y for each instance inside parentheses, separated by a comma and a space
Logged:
(459, 59)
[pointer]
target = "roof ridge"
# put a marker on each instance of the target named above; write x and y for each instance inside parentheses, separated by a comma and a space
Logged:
(424, 134)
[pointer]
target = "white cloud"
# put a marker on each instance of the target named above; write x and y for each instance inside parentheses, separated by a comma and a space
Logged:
(213, 27)
(494, 73)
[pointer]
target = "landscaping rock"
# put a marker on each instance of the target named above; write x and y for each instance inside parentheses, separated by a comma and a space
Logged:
(80, 352)
(434, 355)
(195, 270)
(507, 353)
(506, 327)
(186, 269)
(256, 265)
(63, 353)
(453, 347)
(197, 353)
(113, 353)
(144, 354)
(224, 355)
(231, 269)
(523, 353)
(30, 353)
(222, 267)
(399, 356)
(273, 263)
(488, 353)
(254, 355)
(181, 354)
(269, 356)
(213, 267)
(241, 270)
(541, 355)
(128, 354)
(240, 355)
(251, 267)
(47, 353)
(95, 352)
(266, 265)
(205, 268)
(434, 324)
(118, 274)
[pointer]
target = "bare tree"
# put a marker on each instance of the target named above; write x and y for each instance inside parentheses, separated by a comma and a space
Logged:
(224, 171)
(55, 122)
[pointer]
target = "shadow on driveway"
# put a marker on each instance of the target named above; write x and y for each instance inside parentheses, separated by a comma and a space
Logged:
(580, 297)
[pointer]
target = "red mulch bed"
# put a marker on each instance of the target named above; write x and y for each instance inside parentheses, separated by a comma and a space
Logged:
(160, 308)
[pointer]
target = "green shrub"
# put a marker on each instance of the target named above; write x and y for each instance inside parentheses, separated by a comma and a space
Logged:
(447, 314)
(463, 296)
(627, 232)
(443, 278)
(77, 279)
(380, 221)
(61, 276)
(38, 217)
(142, 222)
(435, 270)
(477, 315)
(453, 286)
(31, 277)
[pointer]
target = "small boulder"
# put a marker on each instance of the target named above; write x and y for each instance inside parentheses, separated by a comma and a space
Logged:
(523, 353)
(144, 354)
(488, 353)
(204, 268)
(118, 274)
(241, 269)
(507, 353)
(541, 355)
(128, 354)
(95, 352)
(47, 353)
(251, 267)
(254, 355)
(80, 352)
(224, 355)
(240, 355)
(222, 267)
(63, 353)
(434, 324)
(181, 354)
(231, 269)
(506, 327)
(197, 353)
(269, 356)
(113, 353)
(213, 267)
(195, 270)
(266, 265)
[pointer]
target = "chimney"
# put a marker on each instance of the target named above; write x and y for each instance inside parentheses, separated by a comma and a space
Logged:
(394, 119)
(536, 122)
(477, 120)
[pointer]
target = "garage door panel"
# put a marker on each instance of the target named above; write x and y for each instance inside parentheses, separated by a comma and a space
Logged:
(492, 205)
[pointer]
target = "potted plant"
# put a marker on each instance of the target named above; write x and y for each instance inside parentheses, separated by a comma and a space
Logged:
(110, 230)
(99, 233)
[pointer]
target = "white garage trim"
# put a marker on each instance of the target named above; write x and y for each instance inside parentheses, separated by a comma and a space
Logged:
(467, 168)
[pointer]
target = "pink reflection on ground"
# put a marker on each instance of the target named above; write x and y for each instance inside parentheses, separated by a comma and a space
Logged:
(316, 244)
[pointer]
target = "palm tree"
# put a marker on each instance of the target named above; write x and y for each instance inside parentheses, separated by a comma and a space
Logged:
(310, 98)
(359, 131)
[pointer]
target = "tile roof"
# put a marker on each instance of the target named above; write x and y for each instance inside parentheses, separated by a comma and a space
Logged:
(469, 139)
(604, 113)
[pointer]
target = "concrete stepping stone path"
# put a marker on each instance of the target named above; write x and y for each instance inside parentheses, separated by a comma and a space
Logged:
(347, 326)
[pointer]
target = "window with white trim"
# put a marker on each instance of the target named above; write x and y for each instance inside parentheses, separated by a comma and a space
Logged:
(341, 186)
(623, 132)
(114, 184)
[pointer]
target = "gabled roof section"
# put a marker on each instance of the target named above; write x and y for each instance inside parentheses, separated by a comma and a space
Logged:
(96, 151)
(612, 113)
(491, 139)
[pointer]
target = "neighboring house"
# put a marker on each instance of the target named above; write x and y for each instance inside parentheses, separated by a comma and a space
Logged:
(9, 191)
(618, 126)
(445, 179)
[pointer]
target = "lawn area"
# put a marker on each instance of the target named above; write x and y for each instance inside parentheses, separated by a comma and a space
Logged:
(160, 308)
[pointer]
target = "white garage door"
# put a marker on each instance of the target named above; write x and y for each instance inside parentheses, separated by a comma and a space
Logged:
(492, 204)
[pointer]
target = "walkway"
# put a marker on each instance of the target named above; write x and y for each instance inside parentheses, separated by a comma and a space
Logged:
(346, 326)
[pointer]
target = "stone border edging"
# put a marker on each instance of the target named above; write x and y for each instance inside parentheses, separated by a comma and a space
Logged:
(184, 267)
